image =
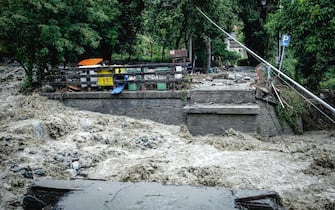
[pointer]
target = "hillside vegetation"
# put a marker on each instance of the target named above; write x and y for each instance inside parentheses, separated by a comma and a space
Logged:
(43, 34)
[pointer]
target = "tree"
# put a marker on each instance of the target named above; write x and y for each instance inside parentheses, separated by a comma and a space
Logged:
(174, 23)
(130, 24)
(44, 33)
(311, 24)
(164, 21)
(224, 13)
(254, 17)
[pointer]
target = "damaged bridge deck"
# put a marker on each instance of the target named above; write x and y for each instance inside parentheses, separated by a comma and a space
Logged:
(88, 194)
(209, 106)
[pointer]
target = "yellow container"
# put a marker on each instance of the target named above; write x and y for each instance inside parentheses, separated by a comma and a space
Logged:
(120, 70)
(103, 80)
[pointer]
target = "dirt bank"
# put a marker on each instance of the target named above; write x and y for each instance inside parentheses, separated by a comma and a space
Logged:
(42, 139)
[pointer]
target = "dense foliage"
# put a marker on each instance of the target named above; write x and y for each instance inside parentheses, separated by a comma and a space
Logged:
(294, 109)
(253, 15)
(179, 25)
(41, 34)
(45, 33)
(311, 24)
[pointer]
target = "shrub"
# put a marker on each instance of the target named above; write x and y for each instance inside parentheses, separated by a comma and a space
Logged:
(294, 109)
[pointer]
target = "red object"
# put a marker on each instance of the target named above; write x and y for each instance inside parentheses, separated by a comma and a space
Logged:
(90, 61)
(178, 53)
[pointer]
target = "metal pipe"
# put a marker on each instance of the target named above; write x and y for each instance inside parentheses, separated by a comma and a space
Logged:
(278, 96)
(274, 68)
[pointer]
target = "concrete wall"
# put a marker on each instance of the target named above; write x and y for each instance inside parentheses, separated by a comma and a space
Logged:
(168, 111)
(168, 107)
(267, 122)
(160, 106)
(216, 95)
(202, 124)
(202, 119)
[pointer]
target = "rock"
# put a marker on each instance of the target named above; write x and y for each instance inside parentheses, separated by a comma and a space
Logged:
(231, 77)
(40, 130)
(264, 89)
(72, 172)
(238, 76)
(27, 173)
(148, 142)
(75, 156)
(10, 77)
(48, 89)
(15, 168)
(76, 165)
(59, 157)
(39, 172)
(231, 132)
(87, 162)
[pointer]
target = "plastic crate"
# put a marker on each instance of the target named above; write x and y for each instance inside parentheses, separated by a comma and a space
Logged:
(103, 80)
(165, 70)
(133, 86)
(161, 86)
(119, 70)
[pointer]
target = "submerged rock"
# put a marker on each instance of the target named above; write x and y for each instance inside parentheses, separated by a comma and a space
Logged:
(15, 168)
(40, 172)
(27, 173)
(48, 89)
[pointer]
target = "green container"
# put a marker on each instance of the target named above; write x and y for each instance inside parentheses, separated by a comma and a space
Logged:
(162, 85)
(162, 69)
(133, 70)
(133, 86)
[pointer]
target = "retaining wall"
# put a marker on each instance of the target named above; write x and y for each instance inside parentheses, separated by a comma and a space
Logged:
(161, 106)
(174, 107)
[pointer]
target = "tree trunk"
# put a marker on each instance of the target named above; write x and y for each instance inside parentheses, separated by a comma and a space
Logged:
(151, 51)
(28, 68)
(163, 53)
(208, 54)
(190, 49)
(129, 52)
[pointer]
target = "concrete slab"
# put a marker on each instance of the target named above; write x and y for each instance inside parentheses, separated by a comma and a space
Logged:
(212, 95)
(124, 95)
(89, 194)
(239, 109)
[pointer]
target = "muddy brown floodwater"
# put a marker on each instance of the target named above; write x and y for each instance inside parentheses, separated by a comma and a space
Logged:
(43, 139)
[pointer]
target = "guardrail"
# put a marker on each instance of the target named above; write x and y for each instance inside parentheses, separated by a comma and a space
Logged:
(100, 76)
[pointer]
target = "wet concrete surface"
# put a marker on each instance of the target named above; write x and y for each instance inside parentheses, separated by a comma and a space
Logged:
(88, 194)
